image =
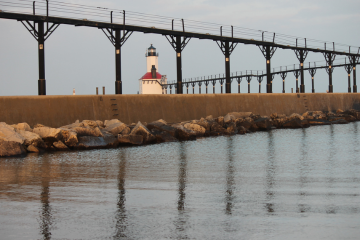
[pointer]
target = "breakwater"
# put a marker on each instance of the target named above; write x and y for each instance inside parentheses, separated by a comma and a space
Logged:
(57, 111)
(18, 139)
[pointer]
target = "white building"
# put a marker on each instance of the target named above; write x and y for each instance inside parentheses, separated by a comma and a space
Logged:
(151, 82)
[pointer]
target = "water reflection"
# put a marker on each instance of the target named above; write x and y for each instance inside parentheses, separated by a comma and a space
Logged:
(303, 171)
(182, 217)
(46, 220)
(230, 181)
(270, 174)
(121, 217)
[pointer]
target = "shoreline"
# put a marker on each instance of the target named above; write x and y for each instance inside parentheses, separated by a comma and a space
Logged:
(20, 139)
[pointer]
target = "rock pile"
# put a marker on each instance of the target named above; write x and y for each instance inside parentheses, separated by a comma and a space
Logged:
(20, 138)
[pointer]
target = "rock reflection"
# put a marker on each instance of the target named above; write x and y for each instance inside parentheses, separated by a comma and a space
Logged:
(230, 181)
(46, 219)
(270, 174)
(121, 217)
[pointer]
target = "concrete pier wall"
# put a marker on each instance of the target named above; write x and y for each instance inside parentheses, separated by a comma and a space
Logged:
(57, 111)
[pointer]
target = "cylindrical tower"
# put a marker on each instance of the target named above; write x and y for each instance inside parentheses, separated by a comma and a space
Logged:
(151, 59)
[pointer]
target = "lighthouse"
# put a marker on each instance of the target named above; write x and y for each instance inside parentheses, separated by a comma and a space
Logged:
(152, 81)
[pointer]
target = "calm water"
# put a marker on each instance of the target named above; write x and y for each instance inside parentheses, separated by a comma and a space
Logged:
(283, 184)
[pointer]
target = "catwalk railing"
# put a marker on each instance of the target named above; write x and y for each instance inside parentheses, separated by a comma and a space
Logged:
(259, 75)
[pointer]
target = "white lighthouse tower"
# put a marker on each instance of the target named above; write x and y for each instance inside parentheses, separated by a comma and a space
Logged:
(152, 81)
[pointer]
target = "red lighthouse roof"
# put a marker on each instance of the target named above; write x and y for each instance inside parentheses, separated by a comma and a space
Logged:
(148, 75)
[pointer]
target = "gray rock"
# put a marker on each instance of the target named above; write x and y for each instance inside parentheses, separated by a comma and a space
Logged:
(112, 121)
(32, 149)
(49, 134)
(130, 139)
(217, 130)
(263, 124)
(232, 129)
(140, 129)
(229, 118)
(69, 137)
(117, 128)
(184, 133)
(293, 123)
(209, 118)
(220, 120)
(8, 133)
(31, 138)
(297, 116)
(162, 127)
(199, 130)
(22, 126)
(59, 145)
(163, 136)
(11, 148)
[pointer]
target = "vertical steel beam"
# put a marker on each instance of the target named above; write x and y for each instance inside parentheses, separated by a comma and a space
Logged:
(354, 74)
(268, 70)
(118, 82)
(349, 83)
(330, 78)
(302, 85)
(178, 65)
(227, 68)
(312, 85)
(41, 41)
(283, 86)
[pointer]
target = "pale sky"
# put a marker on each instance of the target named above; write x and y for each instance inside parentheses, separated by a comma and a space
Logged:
(83, 58)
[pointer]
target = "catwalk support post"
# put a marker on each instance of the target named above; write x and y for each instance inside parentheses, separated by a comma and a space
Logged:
(41, 41)
(118, 82)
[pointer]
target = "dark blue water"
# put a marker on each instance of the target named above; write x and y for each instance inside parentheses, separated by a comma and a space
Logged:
(283, 184)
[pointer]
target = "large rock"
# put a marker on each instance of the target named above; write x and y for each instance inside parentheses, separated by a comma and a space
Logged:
(293, 123)
(130, 139)
(205, 124)
(163, 136)
(220, 120)
(110, 122)
(228, 118)
(48, 134)
(279, 122)
(69, 137)
(8, 133)
(85, 128)
(231, 128)
(184, 133)
(296, 116)
(199, 130)
(32, 149)
(263, 124)
(248, 123)
(140, 129)
(31, 138)
(59, 145)
(217, 130)
(22, 126)
(117, 128)
(161, 126)
(11, 148)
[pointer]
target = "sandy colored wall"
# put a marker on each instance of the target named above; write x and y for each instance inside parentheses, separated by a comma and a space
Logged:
(57, 111)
